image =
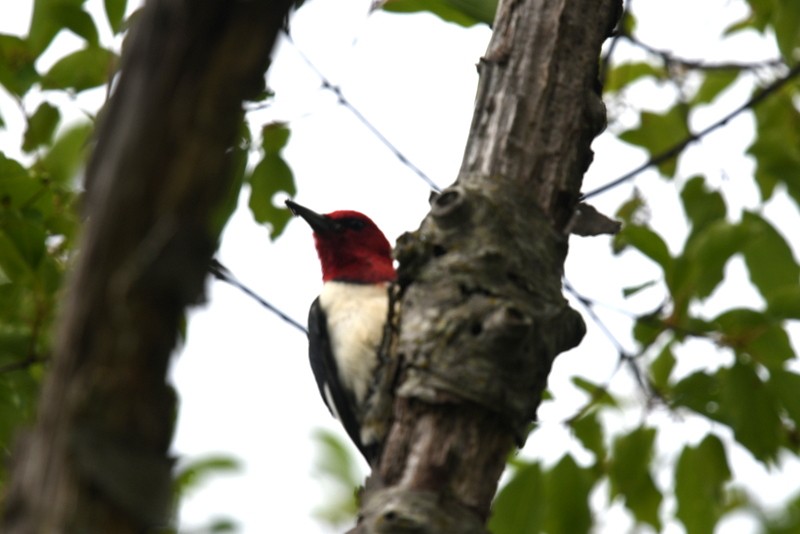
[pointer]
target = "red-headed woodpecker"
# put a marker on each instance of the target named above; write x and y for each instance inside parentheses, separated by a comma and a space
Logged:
(346, 321)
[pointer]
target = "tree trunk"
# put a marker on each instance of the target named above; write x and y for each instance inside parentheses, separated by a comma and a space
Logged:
(97, 457)
(482, 313)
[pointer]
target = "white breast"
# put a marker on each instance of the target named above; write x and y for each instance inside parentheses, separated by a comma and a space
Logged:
(356, 314)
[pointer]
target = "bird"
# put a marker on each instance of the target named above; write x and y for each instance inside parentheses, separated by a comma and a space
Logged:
(346, 321)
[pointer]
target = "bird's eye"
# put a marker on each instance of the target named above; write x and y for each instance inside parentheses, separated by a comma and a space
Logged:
(354, 224)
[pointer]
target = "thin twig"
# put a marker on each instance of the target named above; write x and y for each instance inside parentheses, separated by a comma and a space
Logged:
(692, 64)
(625, 358)
(588, 305)
(220, 272)
(678, 147)
(336, 90)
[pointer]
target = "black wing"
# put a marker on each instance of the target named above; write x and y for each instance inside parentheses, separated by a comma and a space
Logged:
(327, 375)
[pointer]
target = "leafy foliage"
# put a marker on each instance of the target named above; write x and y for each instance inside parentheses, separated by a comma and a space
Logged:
(462, 12)
(630, 476)
(270, 176)
(192, 475)
(80, 70)
(336, 467)
(545, 500)
(700, 477)
(750, 394)
(40, 195)
(748, 398)
(658, 132)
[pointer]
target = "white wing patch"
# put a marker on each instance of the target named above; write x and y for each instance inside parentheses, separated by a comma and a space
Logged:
(356, 314)
(329, 401)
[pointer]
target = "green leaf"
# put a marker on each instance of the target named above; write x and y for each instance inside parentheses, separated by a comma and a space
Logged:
(193, 474)
(271, 176)
(15, 342)
(629, 474)
(67, 155)
(756, 423)
(630, 291)
(567, 487)
(335, 463)
(598, 394)
(590, 433)
(772, 347)
(659, 132)
(628, 23)
(756, 334)
(768, 257)
(711, 243)
(115, 12)
(701, 267)
(737, 397)
(776, 146)
(785, 385)
(22, 244)
(81, 70)
(645, 241)
(633, 210)
(786, 22)
(274, 137)
(702, 206)
(47, 20)
(700, 476)
(758, 18)
(462, 12)
(18, 395)
(336, 460)
(223, 524)
(699, 392)
(78, 21)
(41, 127)
(647, 328)
(17, 70)
(519, 507)
(16, 184)
(625, 74)
(743, 24)
(714, 82)
(661, 368)
(786, 520)
(785, 303)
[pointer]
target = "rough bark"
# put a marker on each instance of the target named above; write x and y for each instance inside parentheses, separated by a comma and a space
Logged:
(97, 459)
(482, 313)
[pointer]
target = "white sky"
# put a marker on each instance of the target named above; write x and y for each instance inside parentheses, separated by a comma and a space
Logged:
(245, 385)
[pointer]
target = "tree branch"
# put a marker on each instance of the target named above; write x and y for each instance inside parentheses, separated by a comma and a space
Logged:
(670, 59)
(483, 315)
(678, 147)
(96, 460)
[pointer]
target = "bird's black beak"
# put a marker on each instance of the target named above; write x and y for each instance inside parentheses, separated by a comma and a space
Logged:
(318, 222)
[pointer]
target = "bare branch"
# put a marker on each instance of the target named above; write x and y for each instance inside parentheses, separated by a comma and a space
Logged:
(671, 60)
(678, 147)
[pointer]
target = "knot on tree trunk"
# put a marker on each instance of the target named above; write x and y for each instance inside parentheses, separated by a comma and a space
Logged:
(482, 322)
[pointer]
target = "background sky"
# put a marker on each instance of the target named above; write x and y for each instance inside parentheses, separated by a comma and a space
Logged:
(243, 377)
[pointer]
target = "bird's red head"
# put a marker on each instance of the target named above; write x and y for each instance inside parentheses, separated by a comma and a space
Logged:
(350, 246)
